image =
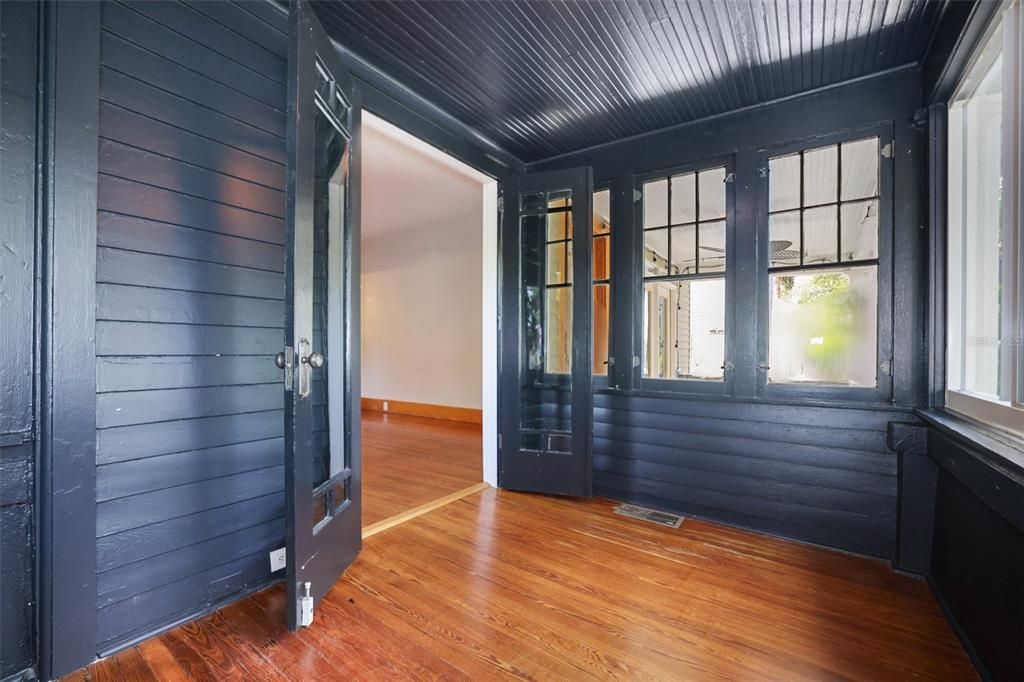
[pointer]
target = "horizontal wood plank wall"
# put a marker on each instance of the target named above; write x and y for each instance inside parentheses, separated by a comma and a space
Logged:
(18, 87)
(451, 413)
(190, 312)
(787, 470)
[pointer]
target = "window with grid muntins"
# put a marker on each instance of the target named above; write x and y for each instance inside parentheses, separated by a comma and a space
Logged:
(684, 224)
(823, 206)
(823, 223)
(684, 264)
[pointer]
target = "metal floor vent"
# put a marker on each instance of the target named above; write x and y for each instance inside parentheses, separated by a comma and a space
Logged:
(653, 515)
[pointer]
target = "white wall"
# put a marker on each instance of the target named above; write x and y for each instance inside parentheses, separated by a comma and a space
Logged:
(421, 306)
(421, 277)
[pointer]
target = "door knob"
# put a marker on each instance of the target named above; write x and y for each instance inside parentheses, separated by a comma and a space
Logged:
(279, 360)
(314, 360)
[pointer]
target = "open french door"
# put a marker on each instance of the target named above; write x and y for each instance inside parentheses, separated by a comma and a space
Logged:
(321, 355)
(546, 399)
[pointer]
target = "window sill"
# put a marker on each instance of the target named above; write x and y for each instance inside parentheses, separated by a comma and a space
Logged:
(798, 401)
(1002, 449)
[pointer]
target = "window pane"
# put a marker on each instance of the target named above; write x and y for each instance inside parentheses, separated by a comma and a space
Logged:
(859, 221)
(602, 211)
(824, 327)
(820, 235)
(655, 253)
(684, 250)
(860, 169)
(560, 199)
(559, 225)
(556, 263)
(656, 203)
(684, 335)
(784, 183)
(712, 194)
(712, 247)
(983, 260)
(602, 257)
(784, 239)
(684, 199)
(532, 202)
(558, 331)
(602, 307)
(821, 168)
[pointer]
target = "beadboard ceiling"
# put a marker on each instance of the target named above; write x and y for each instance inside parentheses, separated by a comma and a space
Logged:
(543, 78)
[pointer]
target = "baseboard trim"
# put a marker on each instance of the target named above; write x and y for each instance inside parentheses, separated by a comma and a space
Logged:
(467, 415)
(397, 519)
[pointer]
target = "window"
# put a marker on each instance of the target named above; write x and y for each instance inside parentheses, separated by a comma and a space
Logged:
(684, 264)
(602, 250)
(985, 362)
(558, 283)
(823, 223)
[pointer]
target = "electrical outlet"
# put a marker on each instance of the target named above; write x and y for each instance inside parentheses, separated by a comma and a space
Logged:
(277, 560)
(385, 406)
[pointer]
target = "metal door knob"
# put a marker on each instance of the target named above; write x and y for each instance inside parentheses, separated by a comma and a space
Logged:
(279, 360)
(314, 360)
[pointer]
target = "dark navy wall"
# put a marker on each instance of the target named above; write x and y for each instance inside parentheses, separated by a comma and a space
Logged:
(815, 470)
(18, 64)
(977, 561)
(818, 474)
(189, 297)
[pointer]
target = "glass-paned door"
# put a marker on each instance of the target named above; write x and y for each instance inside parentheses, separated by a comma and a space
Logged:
(546, 400)
(320, 359)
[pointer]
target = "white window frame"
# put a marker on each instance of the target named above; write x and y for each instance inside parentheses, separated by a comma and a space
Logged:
(1006, 412)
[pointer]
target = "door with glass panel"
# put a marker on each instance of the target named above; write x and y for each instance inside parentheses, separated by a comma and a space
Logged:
(546, 353)
(321, 355)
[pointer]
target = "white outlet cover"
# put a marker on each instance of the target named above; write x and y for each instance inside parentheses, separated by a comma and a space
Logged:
(277, 560)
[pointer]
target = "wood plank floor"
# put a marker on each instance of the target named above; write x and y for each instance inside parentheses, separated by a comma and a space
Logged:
(508, 585)
(409, 461)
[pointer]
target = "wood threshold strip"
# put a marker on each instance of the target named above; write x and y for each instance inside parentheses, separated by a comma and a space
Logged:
(397, 519)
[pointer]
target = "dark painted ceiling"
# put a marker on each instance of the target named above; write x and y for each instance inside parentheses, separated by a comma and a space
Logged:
(542, 78)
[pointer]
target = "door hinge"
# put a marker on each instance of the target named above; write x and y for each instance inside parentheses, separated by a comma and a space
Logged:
(306, 606)
(762, 172)
(886, 367)
(501, 204)
(637, 195)
(887, 151)
(730, 177)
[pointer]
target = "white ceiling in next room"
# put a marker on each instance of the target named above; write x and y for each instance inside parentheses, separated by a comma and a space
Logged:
(403, 186)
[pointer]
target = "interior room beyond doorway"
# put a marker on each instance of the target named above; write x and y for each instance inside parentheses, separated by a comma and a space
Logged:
(422, 329)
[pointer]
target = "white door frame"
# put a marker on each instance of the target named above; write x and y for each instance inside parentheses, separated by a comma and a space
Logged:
(489, 283)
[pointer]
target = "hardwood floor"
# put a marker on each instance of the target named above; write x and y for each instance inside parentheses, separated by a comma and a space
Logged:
(502, 585)
(409, 461)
